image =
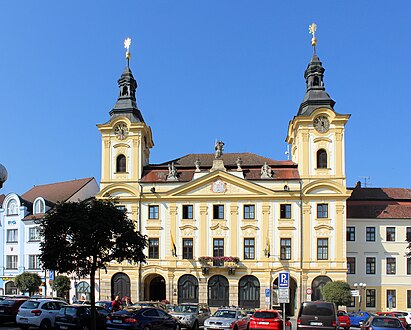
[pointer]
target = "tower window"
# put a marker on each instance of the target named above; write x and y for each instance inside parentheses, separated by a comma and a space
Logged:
(121, 164)
(316, 81)
(321, 158)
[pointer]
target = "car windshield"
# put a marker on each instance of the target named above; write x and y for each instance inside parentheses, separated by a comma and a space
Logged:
(265, 315)
(7, 302)
(386, 323)
(185, 309)
(225, 313)
(318, 309)
(342, 313)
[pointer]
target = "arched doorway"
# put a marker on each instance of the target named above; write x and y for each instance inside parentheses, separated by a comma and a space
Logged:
(318, 283)
(10, 288)
(249, 292)
(291, 307)
(154, 287)
(218, 291)
(83, 291)
(120, 285)
(187, 289)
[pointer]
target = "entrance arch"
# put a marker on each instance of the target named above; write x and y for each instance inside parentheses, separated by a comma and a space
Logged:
(249, 292)
(187, 289)
(10, 288)
(292, 306)
(318, 283)
(218, 291)
(155, 287)
(120, 285)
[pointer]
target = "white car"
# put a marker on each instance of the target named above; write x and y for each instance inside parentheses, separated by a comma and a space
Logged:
(39, 313)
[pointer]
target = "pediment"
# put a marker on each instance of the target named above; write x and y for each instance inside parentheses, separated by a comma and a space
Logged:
(219, 226)
(220, 184)
(323, 227)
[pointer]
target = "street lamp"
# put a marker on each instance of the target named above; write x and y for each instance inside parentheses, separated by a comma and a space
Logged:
(3, 175)
(361, 287)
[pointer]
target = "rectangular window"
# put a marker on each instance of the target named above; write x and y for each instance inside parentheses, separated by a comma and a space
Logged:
(390, 234)
(285, 211)
(187, 211)
(408, 298)
(218, 251)
(187, 248)
(322, 210)
(218, 211)
(370, 265)
(408, 266)
(370, 234)
(34, 234)
(153, 248)
(370, 298)
(408, 234)
(322, 249)
(153, 211)
(12, 235)
(249, 212)
(34, 262)
(249, 248)
(350, 265)
(285, 248)
(11, 262)
(391, 262)
(391, 299)
(350, 234)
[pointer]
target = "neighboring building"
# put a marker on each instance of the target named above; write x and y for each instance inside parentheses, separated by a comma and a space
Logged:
(378, 227)
(255, 216)
(20, 234)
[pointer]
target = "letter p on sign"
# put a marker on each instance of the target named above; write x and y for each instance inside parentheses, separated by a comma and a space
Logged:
(284, 280)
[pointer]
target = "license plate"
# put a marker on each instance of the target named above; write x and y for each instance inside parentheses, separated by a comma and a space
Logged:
(265, 323)
(316, 323)
(22, 319)
(63, 327)
(116, 321)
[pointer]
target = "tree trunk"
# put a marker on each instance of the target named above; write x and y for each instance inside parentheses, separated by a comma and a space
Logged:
(93, 297)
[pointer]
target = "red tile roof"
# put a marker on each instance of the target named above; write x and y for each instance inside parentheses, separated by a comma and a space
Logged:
(380, 194)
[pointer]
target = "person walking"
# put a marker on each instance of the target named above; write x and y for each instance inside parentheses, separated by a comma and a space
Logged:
(116, 304)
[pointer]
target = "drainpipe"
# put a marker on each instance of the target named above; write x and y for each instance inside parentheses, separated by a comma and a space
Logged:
(301, 240)
(139, 229)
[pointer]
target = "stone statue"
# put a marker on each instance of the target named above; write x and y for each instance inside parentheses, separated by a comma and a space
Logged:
(219, 147)
(266, 172)
(239, 163)
(172, 173)
(197, 163)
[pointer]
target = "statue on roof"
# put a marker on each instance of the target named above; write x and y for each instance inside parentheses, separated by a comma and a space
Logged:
(172, 172)
(219, 147)
(266, 172)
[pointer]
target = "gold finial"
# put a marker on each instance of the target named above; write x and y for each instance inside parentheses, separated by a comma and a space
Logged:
(127, 44)
(312, 29)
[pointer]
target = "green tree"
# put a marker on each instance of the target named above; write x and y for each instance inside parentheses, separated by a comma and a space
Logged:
(338, 292)
(28, 282)
(61, 284)
(81, 237)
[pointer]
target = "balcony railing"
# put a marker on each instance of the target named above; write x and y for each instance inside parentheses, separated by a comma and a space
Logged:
(231, 263)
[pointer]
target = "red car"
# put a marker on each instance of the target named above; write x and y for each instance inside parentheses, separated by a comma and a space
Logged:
(268, 319)
(344, 319)
(398, 315)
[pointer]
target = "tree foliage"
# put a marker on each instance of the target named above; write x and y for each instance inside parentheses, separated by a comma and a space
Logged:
(82, 237)
(338, 292)
(28, 282)
(61, 284)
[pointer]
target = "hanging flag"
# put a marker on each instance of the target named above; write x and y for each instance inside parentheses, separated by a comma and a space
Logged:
(173, 246)
(267, 248)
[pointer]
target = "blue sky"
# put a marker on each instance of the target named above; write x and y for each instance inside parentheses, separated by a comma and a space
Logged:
(216, 69)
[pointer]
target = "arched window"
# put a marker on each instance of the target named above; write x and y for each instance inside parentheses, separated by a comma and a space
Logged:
(10, 288)
(318, 283)
(121, 164)
(120, 285)
(38, 206)
(187, 289)
(83, 291)
(218, 291)
(316, 81)
(321, 158)
(249, 292)
(12, 207)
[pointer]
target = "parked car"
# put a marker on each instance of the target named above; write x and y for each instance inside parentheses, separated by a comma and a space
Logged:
(9, 308)
(407, 316)
(40, 313)
(227, 318)
(398, 315)
(317, 315)
(268, 319)
(152, 318)
(106, 304)
(78, 317)
(191, 315)
(344, 319)
(142, 304)
(358, 317)
(375, 322)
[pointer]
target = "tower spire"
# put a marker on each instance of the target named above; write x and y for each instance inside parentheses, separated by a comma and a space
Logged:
(315, 95)
(127, 44)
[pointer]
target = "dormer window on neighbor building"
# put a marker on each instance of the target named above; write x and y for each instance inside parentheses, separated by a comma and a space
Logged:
(12, 208)
(39, 206)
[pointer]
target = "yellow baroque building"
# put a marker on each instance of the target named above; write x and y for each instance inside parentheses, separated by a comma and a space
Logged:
(222, 226)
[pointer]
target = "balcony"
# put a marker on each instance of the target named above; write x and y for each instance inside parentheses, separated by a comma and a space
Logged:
(230, 263)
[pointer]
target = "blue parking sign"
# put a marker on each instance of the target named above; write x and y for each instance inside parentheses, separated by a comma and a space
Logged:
(51, 275)
(267, 292)
(284, 280)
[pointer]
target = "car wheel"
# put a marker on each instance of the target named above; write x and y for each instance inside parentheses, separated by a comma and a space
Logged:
(195, 325)
(45, 324)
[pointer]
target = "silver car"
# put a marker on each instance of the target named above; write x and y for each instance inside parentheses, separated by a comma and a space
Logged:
(228, 318)
(191, 315)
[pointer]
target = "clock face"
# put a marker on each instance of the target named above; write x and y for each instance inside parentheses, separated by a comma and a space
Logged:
(321, 124)
(121, 131)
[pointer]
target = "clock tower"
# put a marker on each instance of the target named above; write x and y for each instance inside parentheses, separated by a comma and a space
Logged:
(126, 138)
